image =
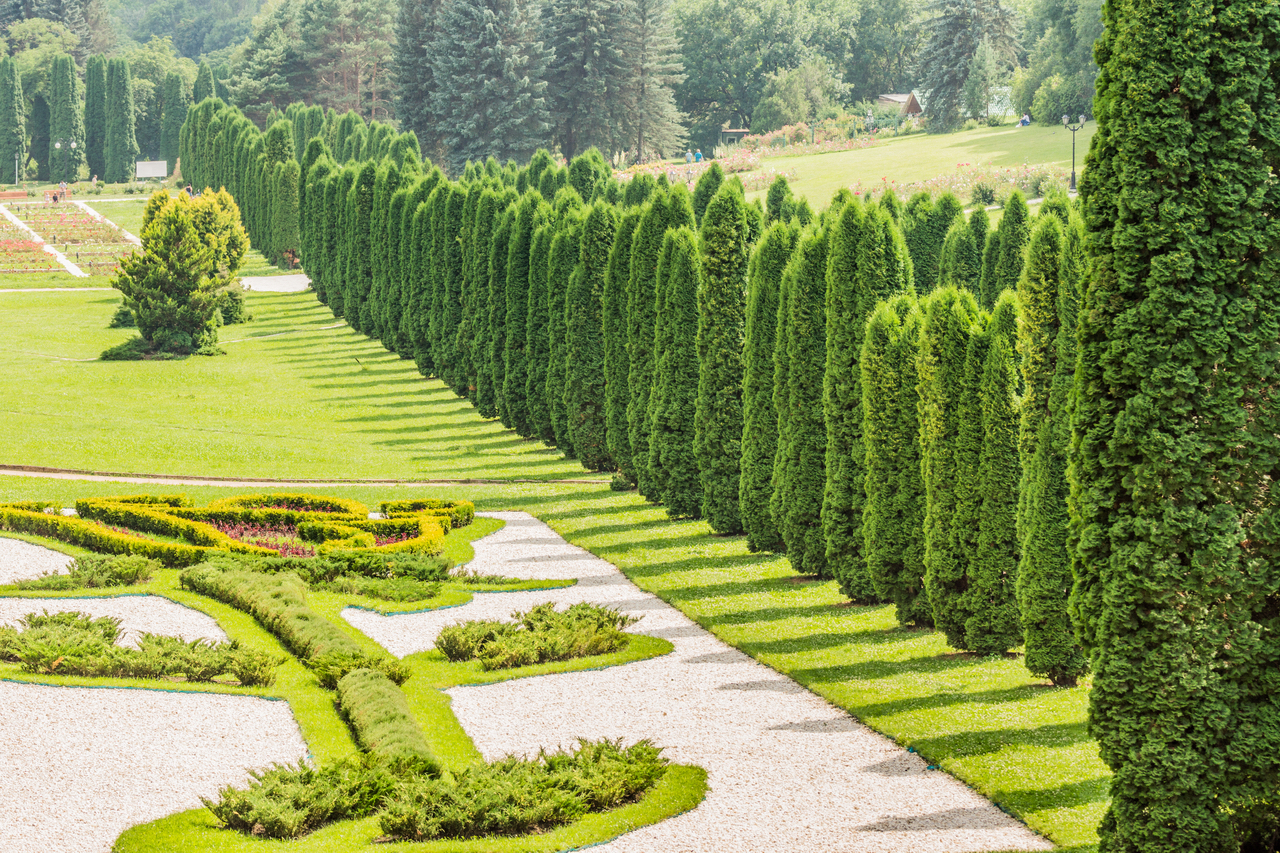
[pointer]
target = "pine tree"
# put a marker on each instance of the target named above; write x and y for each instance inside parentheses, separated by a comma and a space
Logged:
(586, 73)
(724, 255)
(616, 362)
(489, 67)
(177, 101)
(13, 134)
(675, 390)
(893, 516)
(566, 251)
(705, 190)
(95, 115)
(759, 417)
(584, 344)
(1046, 344)
(121, 146)
(993, 626)
(1015, 232)
(531, 214)
(803, 450)
(66, 121)
(944, 344)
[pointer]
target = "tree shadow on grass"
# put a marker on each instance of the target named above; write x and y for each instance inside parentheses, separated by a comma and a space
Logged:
(1065, 796)
(817, 642)
(945, 698)
(986, 741)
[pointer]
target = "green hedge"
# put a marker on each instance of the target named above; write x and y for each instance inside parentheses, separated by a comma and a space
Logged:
(379, 715)
(95, 537)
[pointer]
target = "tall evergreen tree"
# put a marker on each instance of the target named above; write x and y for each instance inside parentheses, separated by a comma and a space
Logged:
(586, 74)
(490, 72)
(204, 86)
(359, 268)
(705, 190)
(925, 228)
(675, 390)
(1046, 344)
(95, 115)
(944, 344)
(803, 441)
(641, 299)
(415, 31)
(537, 334)
(989, 282)
(121, 146)
(41, 141)
(722, 295)
(616, 362)
(531, 214)
(960, 264)
(955, 30)
(653, 124)
(566, 251)
(1015, 233)
(487, 214)
(177, 100)
(492, 392)
(893, 516)
(13, 124)
(66, 121)
(285, 212)
(759, 416)
(584, 344)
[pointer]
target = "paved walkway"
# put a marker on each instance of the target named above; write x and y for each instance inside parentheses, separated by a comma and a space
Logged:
(789, 772)
(277, 283)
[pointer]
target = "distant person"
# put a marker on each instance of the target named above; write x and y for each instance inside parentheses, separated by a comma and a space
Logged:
(62, 190)
(1025, 121)
(688, 156)
(697, 157)
(188, 191)
(93, 184)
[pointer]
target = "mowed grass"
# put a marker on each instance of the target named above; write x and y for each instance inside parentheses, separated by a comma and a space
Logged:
(298, 395)
(60, 278)
(920, 157)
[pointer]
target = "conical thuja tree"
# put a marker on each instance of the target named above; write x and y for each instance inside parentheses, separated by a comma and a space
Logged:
(492, 399)
(66, 117)
(705, 190)
(177, 101)
(721, 318)
(893, 515)
(1047, 343)
(993, 626)
(95, 115)
(1015, 232)
(961, 262)
(759, 416)
(531, 214)
(537, 336)
(616, 361)
(646, 248)
(803, 448)
(675, 394)
(566, 251)
(657, 476)
(584, 342)
(13, 133)
(121, 145)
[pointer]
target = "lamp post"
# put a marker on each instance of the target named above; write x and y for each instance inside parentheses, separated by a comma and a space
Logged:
(17, 161)
(58, 145)
(1066, 122)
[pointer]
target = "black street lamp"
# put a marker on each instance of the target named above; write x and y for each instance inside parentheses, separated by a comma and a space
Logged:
(1066, 122)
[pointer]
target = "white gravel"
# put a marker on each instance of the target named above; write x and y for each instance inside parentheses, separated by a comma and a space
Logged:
(21, 561)
(276, 283)
(787, 770)
(81, 765)
(137, 613)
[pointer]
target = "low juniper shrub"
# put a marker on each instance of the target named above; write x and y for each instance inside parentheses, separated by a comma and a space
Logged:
(541, 635)
(96, 571)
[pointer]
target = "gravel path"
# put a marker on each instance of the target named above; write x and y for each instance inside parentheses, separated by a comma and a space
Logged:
(295, 283)
(788, 771)
(21, 561)
(137, 613)
(82, 765)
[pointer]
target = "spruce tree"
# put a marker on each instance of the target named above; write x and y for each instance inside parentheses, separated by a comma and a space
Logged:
(121, 146)
(616, 362)
(675, 391)
(724, 255)
(586, 74)
(1015, 232)
(1046, 344)
(95, 115)
(893, 516)
(584, 343)
(993, 626)
(66, 121)
(566, 251)
(759, 417)
(804, 449)
(177, 101)
(531, 214)
(13, 134)
(641, 299)
(944, 344)
(705, 190)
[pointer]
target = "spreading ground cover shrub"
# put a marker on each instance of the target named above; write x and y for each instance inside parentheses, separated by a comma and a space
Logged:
(279, 602)
(379, 715)
(541, 635)
(92, 572)
(77, 644)
(516, 796)
(386, 589)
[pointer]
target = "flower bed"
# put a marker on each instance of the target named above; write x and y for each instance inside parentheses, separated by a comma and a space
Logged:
(92, 243)
(19, 253)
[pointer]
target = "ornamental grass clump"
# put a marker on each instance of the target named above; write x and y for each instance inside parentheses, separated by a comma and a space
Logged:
(96, 571)
(541, 635)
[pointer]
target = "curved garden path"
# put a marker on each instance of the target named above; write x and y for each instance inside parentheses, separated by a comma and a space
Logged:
(787, 770)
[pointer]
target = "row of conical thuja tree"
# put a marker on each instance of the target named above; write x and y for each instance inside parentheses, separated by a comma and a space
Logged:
(718, 355)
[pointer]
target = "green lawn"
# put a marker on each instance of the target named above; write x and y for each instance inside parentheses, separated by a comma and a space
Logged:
(920, 157)
(986, 720)
(61, 278)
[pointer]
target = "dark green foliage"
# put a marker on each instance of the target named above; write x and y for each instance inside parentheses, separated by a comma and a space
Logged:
(95, 116)
(988, 285)
(13, 133)
(722, 297)
(38, 129)
(1047, 345)
(1015, 232)
(380, 718)
(705, 190)
(646, 248)
(584, 387)
(446, 314)
(541, 635)
(537, 334)
(285, 239)
(359, 268)
(673, 402)
(802, 432)
(121, 146)
(777, 200)
(615, 327)
(586, 170)
(944, 343)
(204, 83)
(66, 121)
(961, 263)
(515, 796)
(925, 228)
(531, 213)
(639, 190)
(993, 626)
(759, 416)
(491, 372)
(979, 225)
(566, 251)
(177, 100)
(893, 516)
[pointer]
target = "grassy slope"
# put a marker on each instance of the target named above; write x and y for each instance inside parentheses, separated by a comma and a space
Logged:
(920, 157)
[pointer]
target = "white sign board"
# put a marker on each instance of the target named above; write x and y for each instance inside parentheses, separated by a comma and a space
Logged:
(153, 169)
